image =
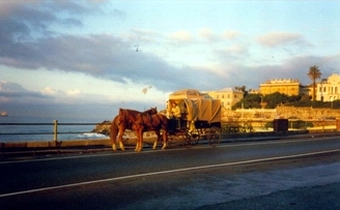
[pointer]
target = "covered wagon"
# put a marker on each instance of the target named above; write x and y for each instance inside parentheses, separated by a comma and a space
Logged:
(199, 116)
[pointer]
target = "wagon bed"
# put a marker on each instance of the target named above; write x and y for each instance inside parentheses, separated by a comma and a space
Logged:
(199, 118)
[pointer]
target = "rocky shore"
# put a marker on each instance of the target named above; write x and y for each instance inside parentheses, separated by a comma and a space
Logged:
(102, 128)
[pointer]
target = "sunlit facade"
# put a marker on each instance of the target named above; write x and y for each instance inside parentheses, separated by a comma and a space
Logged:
(289, 87)
(328, 89)
(228, 96)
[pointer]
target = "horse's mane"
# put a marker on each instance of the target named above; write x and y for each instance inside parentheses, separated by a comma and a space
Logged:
(128, 110)
(137, 112)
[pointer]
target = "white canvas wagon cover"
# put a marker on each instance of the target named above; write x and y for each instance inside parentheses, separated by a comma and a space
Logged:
(201, 109)
(185, 93)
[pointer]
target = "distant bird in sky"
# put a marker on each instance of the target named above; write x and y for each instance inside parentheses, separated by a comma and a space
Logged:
(137, 48)
(145, 90)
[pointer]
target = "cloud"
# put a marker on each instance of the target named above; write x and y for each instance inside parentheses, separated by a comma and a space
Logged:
(10, 86)
(231, 34)
(294, 67)
(273, 39)
(328, 65)
(10, 91)
(50, 91)
(30, 39)
(72, 104)
(74, 92)
(233, 54)
(182, 36)
(236, 49)
(27, 21)
(104, 56)
(117, 13)
(208, 34)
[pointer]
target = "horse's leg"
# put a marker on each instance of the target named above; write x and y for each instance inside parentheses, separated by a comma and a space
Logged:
(138, 140)
(113, 135)
(156, 141)
(140, 146)
(165, 139)
(120, 138)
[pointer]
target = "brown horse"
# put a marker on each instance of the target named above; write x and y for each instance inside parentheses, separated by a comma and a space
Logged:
(119, 124)
(156, 122)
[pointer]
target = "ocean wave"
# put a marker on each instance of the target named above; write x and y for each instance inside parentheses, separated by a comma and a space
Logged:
(92, 135)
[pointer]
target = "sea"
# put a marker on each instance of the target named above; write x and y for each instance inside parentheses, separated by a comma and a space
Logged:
(28, 132)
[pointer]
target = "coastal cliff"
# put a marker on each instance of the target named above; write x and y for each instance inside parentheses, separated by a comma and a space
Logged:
(102, 127)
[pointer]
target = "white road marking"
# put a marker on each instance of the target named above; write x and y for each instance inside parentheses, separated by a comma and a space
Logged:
(166, 172)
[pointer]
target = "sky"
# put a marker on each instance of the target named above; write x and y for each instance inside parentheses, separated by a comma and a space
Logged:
(82, 59)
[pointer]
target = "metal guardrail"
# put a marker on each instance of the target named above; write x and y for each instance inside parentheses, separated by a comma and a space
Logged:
(237, 126)
(55, 125)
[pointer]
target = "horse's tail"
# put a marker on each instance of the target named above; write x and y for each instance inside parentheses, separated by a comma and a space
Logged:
(114, 131)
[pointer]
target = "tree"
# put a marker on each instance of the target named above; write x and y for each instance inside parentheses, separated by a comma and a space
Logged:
(242, 88)
(275, 99)
(249, 101)
(314, 73)
(269, 101)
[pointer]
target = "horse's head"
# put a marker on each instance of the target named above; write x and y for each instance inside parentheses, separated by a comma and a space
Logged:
(151, 111)
(122, 116)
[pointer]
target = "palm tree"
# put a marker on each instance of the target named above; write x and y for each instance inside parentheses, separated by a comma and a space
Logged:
(314, 73)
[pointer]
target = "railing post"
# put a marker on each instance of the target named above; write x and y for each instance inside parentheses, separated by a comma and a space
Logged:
(55, 136)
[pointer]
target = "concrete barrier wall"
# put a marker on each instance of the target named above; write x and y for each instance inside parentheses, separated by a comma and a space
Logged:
(284, 112)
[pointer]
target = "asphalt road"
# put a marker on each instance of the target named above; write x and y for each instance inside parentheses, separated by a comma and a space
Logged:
(233, 176)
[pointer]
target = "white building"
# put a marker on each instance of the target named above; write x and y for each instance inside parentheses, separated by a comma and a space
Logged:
(228, 96)
(328, 89)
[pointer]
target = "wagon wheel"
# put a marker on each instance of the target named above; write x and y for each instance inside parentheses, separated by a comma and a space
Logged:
(170, 138)
(187, 141)
(175, 137)
(195, 136)
(214, 136)
(192, 138)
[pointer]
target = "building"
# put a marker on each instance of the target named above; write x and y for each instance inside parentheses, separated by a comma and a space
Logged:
(328, 89)
(228, 96)
(187, 93)
(289, 87)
